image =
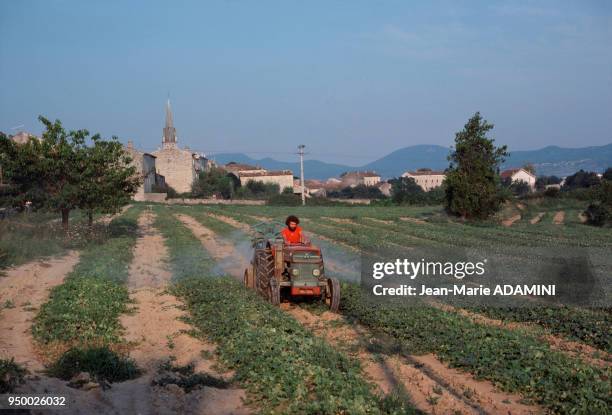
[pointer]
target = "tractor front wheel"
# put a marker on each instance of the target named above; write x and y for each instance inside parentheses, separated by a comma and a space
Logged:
(332, 294)
(274, 292)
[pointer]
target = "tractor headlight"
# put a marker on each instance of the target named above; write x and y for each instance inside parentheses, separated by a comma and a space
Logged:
(316, 272)
(295, 271)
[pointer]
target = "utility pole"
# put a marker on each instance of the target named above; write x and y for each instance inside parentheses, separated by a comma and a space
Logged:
(301, 153)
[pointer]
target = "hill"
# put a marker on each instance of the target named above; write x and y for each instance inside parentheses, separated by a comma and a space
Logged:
(547, 161)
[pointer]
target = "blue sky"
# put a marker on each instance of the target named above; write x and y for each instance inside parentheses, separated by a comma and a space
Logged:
(353, 80)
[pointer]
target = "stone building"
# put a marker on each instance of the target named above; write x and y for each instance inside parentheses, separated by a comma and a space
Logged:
(179, 166)
(283, 178)
(146, 168)
(355, 178)
(426, 178)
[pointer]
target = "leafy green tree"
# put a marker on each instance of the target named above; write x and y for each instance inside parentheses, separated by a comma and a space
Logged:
(543, 181)
(108, 180)
(405, 189)
(520, 187)
(47, 171)
(472, 179)
(361, 191)
(59, 172)
(581, 179)
(608, 174)
(213, 182)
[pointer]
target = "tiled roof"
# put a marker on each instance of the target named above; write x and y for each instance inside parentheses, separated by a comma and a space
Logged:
(267, 173)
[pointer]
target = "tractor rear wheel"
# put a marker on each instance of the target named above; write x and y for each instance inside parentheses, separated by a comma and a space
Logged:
(274, 292)
(332, 294)
(264, 270)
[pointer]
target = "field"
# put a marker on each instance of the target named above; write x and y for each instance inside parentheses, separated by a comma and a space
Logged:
(156, 308)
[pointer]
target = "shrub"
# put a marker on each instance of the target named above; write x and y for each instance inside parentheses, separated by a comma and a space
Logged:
(552, 192)
(11, 375)
(597, 214)
(101, 362)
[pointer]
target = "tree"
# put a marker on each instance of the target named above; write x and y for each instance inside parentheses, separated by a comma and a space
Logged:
(520, 187)
(405, 189)
(607, 175)
(59, 172)
(543, 181)
(361, 191)
(53, 176)
(472, 179)
(108, 180)
(581, 179)
(213, 182)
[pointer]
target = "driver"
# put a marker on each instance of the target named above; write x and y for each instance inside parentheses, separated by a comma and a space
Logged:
(292, 234)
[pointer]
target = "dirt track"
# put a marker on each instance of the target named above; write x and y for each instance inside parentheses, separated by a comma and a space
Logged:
(157, 333)
(27, 288)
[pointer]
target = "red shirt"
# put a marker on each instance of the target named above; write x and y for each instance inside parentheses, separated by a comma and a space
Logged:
(293, 237)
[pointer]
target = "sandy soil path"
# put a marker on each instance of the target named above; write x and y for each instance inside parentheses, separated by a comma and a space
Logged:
(157, 333)
(230, 260)
(24, 289)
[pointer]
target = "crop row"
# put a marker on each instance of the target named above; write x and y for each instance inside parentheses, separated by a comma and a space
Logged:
(586, 325)
(513, 360)
(85, 309)
(283, 366)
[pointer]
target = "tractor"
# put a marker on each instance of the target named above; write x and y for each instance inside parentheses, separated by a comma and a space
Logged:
(284, 271)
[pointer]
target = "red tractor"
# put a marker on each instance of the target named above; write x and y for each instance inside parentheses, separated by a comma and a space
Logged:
(284, 271)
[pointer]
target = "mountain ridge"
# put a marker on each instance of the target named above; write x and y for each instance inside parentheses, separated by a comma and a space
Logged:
(549, 160)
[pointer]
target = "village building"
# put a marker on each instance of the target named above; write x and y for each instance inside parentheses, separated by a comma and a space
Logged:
(311, 188)
(180, 167)
(385, 188)
(519, 175)
(237, 168)
(146, 169)
(356, 178)
(246, 173)
(427, 179)
(283, 178)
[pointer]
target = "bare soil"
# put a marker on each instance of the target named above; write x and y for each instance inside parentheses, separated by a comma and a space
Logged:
(27, 287)
(230, 261)
(537, 218)
(510, 221)
(413, 220)
(559, 218)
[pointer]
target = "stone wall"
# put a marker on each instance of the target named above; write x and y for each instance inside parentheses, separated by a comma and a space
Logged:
(150, 197)
(176, 166)
(181, 201)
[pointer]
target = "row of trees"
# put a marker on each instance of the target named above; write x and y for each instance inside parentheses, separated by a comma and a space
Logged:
(65, 170)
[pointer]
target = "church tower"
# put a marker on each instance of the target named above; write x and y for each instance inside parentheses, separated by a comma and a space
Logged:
(169, 139)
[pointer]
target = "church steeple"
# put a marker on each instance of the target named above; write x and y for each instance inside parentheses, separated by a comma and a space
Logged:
(169, 131)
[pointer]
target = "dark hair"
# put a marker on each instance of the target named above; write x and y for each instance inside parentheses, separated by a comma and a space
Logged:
(291, 218)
